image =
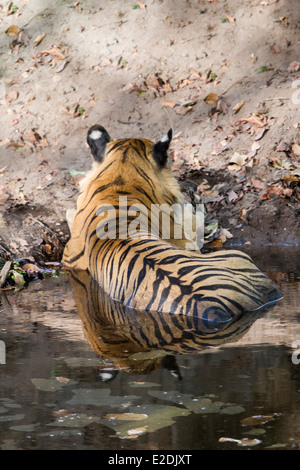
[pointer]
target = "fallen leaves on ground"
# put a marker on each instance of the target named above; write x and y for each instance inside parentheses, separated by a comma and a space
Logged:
(211, 98)
(255, 124)
(13, 31)
(56, 56)
(237, 161)
(294, 67)
(238, 106)
(39, 39)
(160, 86)
(12, 200)
(287, 188)
(35, 140)
(52, 246)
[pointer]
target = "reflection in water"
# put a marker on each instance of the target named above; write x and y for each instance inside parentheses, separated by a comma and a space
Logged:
(51, 396)
(141, 341)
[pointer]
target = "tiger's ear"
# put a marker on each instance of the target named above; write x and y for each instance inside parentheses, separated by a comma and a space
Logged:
(160, 149)
(97, 138)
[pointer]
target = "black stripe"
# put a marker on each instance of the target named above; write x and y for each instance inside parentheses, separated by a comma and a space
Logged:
(117, 145)
(124, 156)
(76, 258)
(142, 191)
(145, 177)
(103, 170)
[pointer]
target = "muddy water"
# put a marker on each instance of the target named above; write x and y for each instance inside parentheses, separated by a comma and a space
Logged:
(75, 381)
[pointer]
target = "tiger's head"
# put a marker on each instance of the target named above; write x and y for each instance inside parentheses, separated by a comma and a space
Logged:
(138, 169)
(102, 145)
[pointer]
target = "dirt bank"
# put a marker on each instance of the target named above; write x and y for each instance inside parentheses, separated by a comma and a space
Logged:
(224, 75)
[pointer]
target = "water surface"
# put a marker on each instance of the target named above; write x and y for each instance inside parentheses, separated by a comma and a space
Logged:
(72, 381)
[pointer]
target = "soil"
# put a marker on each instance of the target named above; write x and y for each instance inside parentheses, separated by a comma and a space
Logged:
(223, 74)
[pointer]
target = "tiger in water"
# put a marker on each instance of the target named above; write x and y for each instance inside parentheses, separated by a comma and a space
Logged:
(132, 258)
(138, 341)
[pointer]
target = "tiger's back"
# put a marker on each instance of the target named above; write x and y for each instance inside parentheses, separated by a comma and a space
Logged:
(132, 262)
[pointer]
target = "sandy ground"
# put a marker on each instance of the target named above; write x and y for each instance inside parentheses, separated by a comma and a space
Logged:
(225, 75)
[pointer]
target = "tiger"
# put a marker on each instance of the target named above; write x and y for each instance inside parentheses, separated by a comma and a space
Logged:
(138, 266)
(139, 341)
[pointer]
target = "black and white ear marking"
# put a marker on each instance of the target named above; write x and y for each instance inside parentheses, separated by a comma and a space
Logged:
(160, 149)
(97, 138)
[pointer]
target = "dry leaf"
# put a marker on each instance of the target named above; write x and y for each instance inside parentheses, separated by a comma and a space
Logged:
(282, 147)
(154, 81)
(232, 196)
(54, 51)
(39, 39)
(212, 99)
(222, 106)
(126, 416)
(260, 134)
(296, 149)
(243, 215)
(12, 95)
(255, 146)
(4, 272)
(106, 59)
(275, 49)
(238, 106)
(294, 67)
(62, 379)
(13, 31)
(253, 119)
(238, 159)
(133, 433)
(291, 177)
(168, 103)
(23, 38)
(275, 190)
(195, 74)
(258, 420)
(241, 442)
(183, 110)
(249, 442)
(32, 137)
(216, 244)
(3, 198)
(224, 235)
(31, 268)
(258, 184)
(230, 19)
(61, 66)
(228, 439)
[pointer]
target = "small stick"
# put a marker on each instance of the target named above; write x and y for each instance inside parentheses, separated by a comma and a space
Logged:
(4, 272)
(275, 98)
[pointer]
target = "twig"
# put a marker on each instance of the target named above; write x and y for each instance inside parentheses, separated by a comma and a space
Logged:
(275, 98)
(43, 224)
(5, 248)
(4, 272)
(138, 123)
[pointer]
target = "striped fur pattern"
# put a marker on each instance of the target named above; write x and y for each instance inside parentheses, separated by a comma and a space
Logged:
(108, 324)
(153, 274)
(140, 341)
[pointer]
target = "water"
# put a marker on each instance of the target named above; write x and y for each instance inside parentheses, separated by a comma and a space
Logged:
(65, 386)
